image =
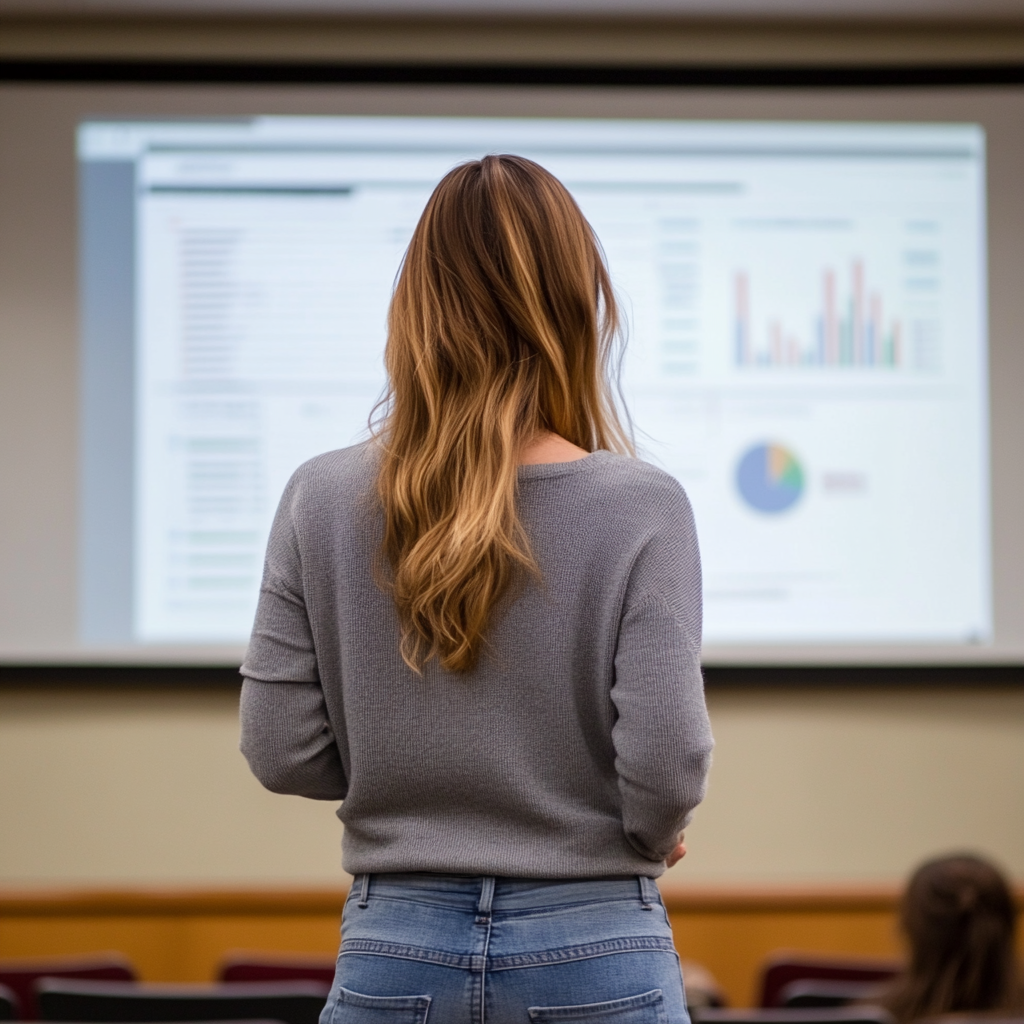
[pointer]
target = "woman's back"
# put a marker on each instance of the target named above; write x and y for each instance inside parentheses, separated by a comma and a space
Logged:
(578, 745)
(495, 664)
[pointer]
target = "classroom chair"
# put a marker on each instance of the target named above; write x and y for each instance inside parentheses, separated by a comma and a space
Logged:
(295, 1002)
(21, 976)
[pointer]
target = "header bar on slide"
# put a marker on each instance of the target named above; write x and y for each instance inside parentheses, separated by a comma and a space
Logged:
(129, 140)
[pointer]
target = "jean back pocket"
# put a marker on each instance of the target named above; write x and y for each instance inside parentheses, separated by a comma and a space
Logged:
(352, 1007)
(646, 1008)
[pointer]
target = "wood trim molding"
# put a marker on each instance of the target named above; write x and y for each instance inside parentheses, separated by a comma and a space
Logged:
(296, 902)
(781, 899)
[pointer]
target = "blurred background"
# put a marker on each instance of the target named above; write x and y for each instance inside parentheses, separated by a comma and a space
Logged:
(128, 819)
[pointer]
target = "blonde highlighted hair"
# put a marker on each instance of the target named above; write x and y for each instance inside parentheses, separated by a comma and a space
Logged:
(501, 327)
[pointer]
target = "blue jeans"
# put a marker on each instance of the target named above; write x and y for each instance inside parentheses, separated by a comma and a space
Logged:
(453, 949)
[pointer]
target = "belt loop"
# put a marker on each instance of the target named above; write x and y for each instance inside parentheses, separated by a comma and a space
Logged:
(483, 908)
(364, 891)
(647, 898)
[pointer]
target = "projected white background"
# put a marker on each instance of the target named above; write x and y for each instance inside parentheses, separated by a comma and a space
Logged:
(807, 348)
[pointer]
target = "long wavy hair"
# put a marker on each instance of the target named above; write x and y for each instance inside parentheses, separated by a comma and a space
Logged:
(502, 325)
(958, 915)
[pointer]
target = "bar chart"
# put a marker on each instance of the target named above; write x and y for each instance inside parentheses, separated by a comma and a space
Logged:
(849, 329)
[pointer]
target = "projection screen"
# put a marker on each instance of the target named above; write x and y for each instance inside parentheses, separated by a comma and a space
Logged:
(823, 344)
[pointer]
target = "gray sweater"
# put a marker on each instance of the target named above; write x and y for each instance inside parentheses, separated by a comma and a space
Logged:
(579, 746)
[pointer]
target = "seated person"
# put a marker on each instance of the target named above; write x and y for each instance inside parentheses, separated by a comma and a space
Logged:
(702, 988)
(958, 915)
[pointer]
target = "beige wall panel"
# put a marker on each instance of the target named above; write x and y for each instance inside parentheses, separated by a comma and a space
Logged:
(148, 788)
(833, 785)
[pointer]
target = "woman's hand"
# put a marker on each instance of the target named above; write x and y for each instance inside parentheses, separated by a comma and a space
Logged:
(677, 854)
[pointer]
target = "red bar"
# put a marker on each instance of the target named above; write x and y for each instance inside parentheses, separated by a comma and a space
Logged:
(742, 319)
(831, 331)
(876, 328)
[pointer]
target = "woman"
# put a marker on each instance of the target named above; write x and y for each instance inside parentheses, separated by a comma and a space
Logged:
(481, 630)
(959, 918)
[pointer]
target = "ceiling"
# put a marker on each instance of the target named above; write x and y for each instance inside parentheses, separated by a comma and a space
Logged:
(874, 10)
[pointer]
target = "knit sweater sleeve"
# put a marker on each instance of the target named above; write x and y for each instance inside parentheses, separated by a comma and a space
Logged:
(662, 735)
(287, 737)
(288, 740)
(282, 648)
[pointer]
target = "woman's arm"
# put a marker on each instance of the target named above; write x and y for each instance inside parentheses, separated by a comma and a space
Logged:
(288, 741)
(287, 736)
(662, 736)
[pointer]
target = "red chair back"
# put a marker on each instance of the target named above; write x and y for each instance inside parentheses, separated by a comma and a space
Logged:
(20, 976)
(822, 1015)
(780, 971)
(235, 969)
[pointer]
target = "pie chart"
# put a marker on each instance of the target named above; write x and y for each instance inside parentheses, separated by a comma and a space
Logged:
(769, 478)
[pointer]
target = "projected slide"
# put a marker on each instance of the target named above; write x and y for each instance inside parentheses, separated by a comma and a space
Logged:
(806, 354)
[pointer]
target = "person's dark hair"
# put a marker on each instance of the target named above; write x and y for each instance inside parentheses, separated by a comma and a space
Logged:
(958, 915)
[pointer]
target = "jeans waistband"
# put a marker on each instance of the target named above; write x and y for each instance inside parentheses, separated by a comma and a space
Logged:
(484, 891)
